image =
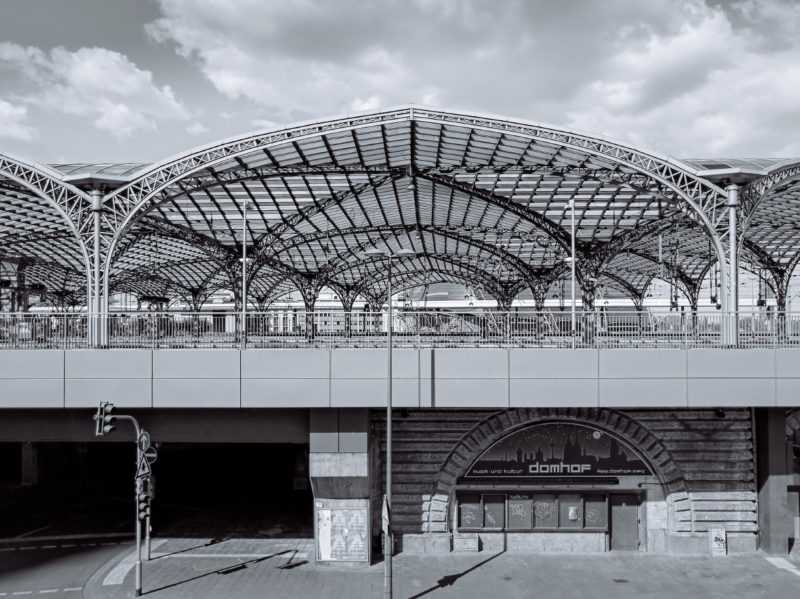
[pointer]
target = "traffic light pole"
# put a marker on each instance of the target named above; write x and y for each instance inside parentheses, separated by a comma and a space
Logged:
(104, 420)
(137, 493)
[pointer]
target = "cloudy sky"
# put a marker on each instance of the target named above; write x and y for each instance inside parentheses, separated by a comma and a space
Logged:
(138, 80)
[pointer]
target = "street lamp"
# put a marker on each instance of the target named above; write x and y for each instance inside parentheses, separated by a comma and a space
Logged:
(244, 274)
(388, 549)
(571, 206)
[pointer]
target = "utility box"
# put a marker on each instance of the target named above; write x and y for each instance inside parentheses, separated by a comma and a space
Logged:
(342, 530)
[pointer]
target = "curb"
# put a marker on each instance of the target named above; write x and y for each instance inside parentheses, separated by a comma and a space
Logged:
(94, 589)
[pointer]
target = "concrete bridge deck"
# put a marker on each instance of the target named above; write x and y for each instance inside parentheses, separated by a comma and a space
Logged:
(423, 378)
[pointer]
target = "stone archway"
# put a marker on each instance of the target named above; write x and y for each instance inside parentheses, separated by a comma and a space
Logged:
(496, 426)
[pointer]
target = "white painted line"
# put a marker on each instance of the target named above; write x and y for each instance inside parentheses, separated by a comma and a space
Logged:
(74, 589)
(8, 548)
(22, 593)
(32, 532)
(783, 564)
(118, 572)
(48, 591)
(27, 548)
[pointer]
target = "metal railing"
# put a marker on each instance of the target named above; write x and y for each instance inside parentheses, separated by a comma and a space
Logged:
(411, 328)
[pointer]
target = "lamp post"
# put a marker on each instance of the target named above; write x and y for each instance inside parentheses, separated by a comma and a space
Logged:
(572, 269)
(387, 541)
(244, 274)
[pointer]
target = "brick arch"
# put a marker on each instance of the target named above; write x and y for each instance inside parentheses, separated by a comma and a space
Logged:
(502, 423)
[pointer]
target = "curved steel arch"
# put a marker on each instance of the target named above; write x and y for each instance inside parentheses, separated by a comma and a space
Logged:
(699, 198)
(510, 260)
(72, 204)
(756, 190)
(473, 275)
(409, 280)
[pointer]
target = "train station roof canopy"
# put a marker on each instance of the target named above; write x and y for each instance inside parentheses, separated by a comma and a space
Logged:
(480, 200)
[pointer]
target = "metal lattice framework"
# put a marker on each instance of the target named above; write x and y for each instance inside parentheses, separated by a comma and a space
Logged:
(481, 200)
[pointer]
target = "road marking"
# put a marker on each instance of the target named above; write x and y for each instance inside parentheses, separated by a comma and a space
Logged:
(48, 591)
(782, 564)
(8, 548)
(22, 593)
(69, 545)
(74, 589)
(118, 572)
(32, 532)
(26, 548)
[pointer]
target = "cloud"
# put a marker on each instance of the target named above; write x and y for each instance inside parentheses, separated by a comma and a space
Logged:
(196, 128)
(703, 91)
(677, 77)
(13, 122)
(97, 83)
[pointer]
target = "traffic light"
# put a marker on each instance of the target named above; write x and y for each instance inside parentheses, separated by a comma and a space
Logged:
(98, 420)
(143, 504)
(104, 420)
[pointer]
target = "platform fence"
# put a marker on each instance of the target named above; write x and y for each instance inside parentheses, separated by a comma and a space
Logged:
(411, 328)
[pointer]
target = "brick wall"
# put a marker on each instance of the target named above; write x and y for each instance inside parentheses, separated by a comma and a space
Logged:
(704, 456)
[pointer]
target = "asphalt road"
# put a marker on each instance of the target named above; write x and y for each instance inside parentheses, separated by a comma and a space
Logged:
(47, 568)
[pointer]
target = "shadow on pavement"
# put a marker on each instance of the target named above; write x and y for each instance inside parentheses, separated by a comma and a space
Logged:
(222, 571)
(209, 544)
(450, 579)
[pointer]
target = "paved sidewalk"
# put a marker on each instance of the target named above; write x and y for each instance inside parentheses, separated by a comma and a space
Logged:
(284, 568)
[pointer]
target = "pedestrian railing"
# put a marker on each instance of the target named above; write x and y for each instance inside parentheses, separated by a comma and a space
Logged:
(410, 328)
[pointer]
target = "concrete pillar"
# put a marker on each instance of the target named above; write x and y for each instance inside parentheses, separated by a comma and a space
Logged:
(775, 525)
(29, 471)
(793, 496)
(340, 481)
(338, 453)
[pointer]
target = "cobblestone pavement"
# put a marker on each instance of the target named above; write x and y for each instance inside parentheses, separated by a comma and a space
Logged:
(284, 568)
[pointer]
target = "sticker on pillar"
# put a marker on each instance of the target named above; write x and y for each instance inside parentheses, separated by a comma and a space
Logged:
(324, 534)
(342, 534)
(718, 541)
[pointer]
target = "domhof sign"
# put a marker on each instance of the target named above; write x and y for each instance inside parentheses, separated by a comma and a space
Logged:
(558, 449)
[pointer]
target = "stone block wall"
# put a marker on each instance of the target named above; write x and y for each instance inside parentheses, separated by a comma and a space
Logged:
(706, 457)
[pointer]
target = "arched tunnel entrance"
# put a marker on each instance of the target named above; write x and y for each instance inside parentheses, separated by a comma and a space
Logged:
(218, 473)
(227, 490)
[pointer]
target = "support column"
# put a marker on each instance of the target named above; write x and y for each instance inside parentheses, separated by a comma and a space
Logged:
(310, 325)
(774, 476)
(733, 263)
(588, 294)
(340, 480)
(22, 288)
(94, 309)
(781, 290)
